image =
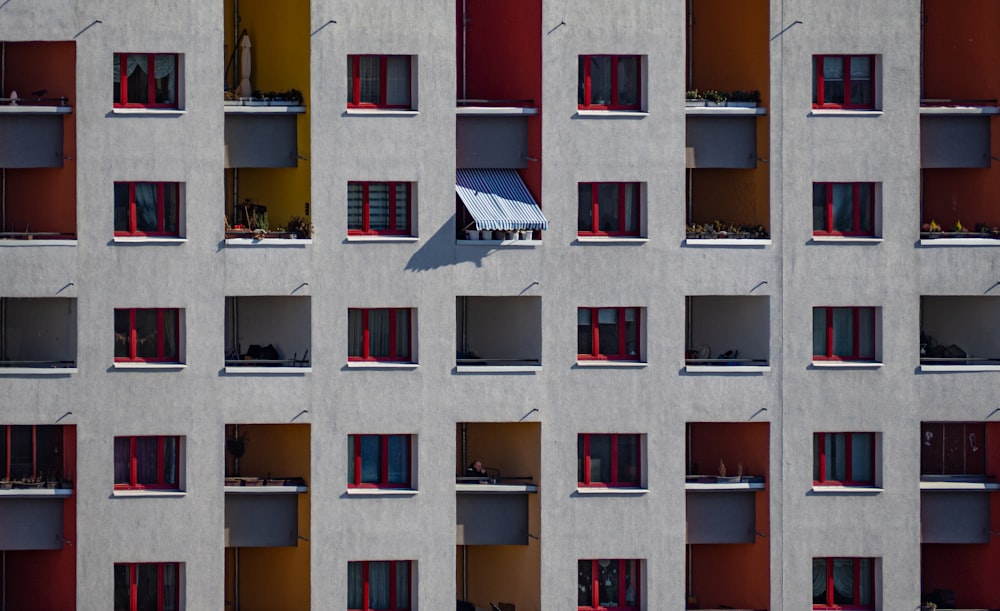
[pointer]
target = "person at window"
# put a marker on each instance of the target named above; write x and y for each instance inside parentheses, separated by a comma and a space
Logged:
(476, 469)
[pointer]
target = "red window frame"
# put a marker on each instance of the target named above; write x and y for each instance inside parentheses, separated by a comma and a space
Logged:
(162, 602)
(819, 83)
(354, 82)
(584, 456)
(821, 460)
(586, 84)
(161, 209)
(393, 356)
(394, 566)
(857, 188)
(38, 468)
(161, 464)
(869, 574)
(595, 211)
(857, 334)
(122, 59)
(622, 586)
(396, 227)
(384, 460)
(132, 340)
(595, 337)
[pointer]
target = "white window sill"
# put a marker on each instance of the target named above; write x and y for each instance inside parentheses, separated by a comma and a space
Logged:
(502, 243)
(726, 369)
(725, 110)
(381, 492)
(957, 368)
(5, 242)
(38, 371)
(725, 487)
(600, 491)
(821, 239)
(496, 488)
(612, 364)
(845, 365)
(150, 366)
(147, 240)
(36, 492)
(382, 238)
(268, 371)
(269, 242)
(150, 494)
(961, 486)
(610, 240)
(836, 112)
(496, 111)
(265, 489)
(605, 114)
(381, 112)
(846, 490)
(959, 110)
(22, 109)
(924, 243)
(380, 365)
(727, 242)
(151, 112)
(263, 109)
(498, 368)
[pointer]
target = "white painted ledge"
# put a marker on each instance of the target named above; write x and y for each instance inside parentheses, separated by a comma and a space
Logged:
(37, 493)
(836, 112)
(931, 243)
(725, 487)
(845, 365)
(150, 112)
(150, 366)
(145, 240)
(610, 240)
(269, 242)
(38, 371)
(265, 489)
(725, 111)
(496, 111)
(4, 243)
(495, 488)
(27, 109)
(599, 491)
(149, 494)
(597, 364)
(846, 490)
(724, 369)
(268, 371)
(501, 243)
(961, 486)
(822, 239)
(248, 109)
(727, 242)
(381, 492)
(385, 239)
(958, 368)
(498, 368)
(380, 112)
(607, 114)
(380, 365)
(959, 110)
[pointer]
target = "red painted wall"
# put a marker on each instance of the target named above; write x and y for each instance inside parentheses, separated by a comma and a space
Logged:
(44, 199)
(46, 580)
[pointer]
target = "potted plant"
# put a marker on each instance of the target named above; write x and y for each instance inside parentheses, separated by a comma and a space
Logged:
(693, 99)
(715, 98)
(300, 227)
(959, 228)
(930, 230)
(744, 99)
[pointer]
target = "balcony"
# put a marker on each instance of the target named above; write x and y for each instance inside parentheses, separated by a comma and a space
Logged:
(959, 334)
(266, 125)
(494, 207)
(499, 334)
(727, 334)
(38, 132)
(37, 336)
(497, 518)
(267, 515)
(727, 515)
(268, 335)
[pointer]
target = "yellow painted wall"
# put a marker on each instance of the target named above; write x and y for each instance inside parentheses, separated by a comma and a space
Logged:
(279, 35)
(274, 577)
(730, 51)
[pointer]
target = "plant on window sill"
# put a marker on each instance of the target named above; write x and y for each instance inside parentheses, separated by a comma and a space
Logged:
(288, 97)
(719, 230)
(932, 230)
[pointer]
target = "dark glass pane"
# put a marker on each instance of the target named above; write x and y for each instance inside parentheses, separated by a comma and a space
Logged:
(581, 80)
(402, 206)
(819, 206)
(974, 437)
(932, 448)
(843, 332)
(607, 331)
(585, 208)
(379, 584)
(866, 210)
(170, 460)
(350, 459)
(600, 458)
(632, 332)
(607, 207)
(116, 63)
(355, 333)
(369, 73)
(3, 452)
(171, 208)
(608, 583)
(819, 331)
(122, 589)
(631, 224)
(122, 207)
(861, 458)
(631, 587)
(378, 333)
(146, 579)
(600, 81)
(580, 463)
(819, 581)
(843, 581)
(402, 347)
(170, 335)
(865, 586)
(170, 587)
(147, 456)
(866, 333)
(371, 458)
(628, 81)
(146, 207)
(355, 586)
(350, 80)
(399, 459)
(843, 207)
(378, 206)
(861, 81)
(816, 457)
(355, 206)
(833, 80)
(49, 451)
(403, 584)
(123, 460)
(628, 459)
(146, 334)
(397, 82)
(138, 79)
(164, 71)
(21, 458)
(585, 583)
(584, 335)
(123, 334)
(836, 457)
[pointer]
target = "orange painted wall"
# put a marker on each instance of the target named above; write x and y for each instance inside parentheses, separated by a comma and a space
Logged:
(504, 62)
(44, 199)
(733, 443)
(970, 570)
(730, 51)
(275, 577)
(46, 580)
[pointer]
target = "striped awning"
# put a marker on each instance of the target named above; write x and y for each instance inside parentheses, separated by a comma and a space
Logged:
(498, 200)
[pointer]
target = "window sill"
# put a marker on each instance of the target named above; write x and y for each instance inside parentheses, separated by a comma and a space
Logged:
(727, 369)
(382, 238)
(957, 368)
(820, 239)
(959, 110)
(265, 489)
(846, 490)
(380, 365)
(145, 240)
(727, 242)
(151, 112)
(27, 109)
(381, 492)
(38, 371)
(959, 242)
(269, 242)
(601, 491)
(380, 112)
(150, 366)
(498, 368)
(610, 240)
(8, 242)
(496, 111)
(961, 486)
(502, 243)
(268, 371)
(608, 114)
(250, 109)
(149, 494)
(612, 364)
(725, 111)
(836, 112)
(844, 365)
(725, 487)
(495, 488)
(33, 493)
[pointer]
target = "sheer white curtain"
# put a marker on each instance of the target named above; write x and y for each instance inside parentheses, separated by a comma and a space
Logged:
(379, 585)
(843, 580)
(397, 85)
(164, 67)
(378, 332)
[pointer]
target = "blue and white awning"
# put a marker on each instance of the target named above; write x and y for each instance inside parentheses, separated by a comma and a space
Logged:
(498, 200)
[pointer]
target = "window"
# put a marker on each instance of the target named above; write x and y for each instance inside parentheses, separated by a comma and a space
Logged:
(146, 208)
(953, 449)
(31, 452)
(608, 460)
(608, 334)
(844, 459)
(378, 585)
(606, 583)
(608, 208)
(146, 463)
(378, 461)
(378, 81)
(146, 335)
(844, 208)
(845, 334)
(844, 81)
(146, 586)
(843, 583)
(378, 334)
(609, 82)
(378, 208)
(150, 80)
